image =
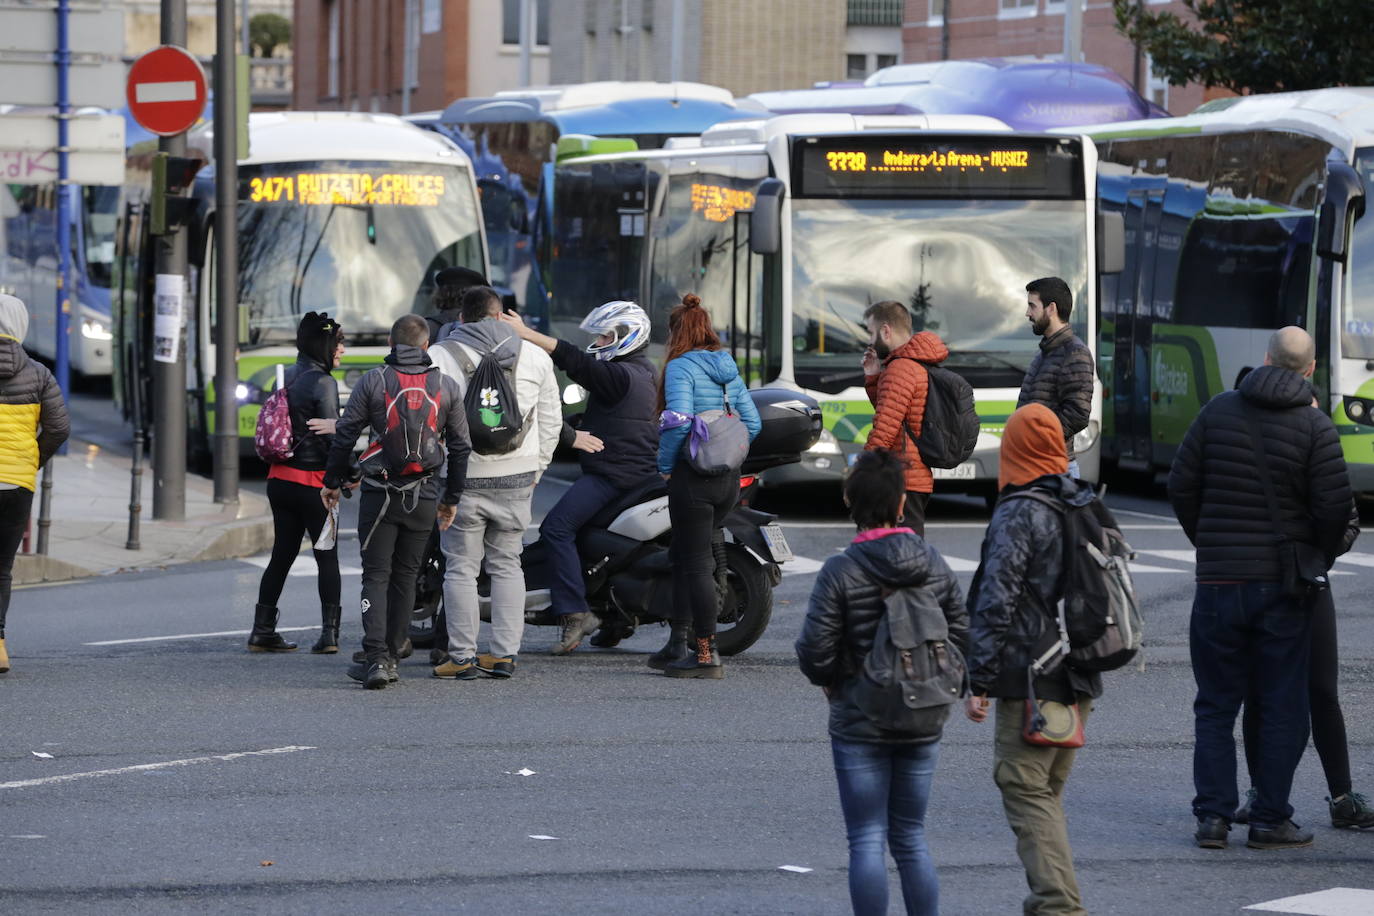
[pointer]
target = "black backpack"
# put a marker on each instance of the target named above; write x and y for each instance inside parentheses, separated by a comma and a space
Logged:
(410, 446)
(949, 430)
(495, 424)
(913, 674)
(1099, 620)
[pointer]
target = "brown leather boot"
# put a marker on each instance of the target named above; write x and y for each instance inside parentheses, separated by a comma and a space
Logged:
(705, 662)
(4, 657)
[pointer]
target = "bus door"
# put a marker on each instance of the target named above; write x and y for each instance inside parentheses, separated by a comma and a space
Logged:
(746, 310)
(1131, 388)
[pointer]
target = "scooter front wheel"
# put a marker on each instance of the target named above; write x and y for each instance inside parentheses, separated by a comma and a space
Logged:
(748, 602)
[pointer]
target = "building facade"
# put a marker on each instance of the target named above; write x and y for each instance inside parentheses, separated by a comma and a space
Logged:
(408, 56)
(962, 29)
(744, 47)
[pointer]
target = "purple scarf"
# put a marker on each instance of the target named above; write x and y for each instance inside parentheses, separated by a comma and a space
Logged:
(700, 432)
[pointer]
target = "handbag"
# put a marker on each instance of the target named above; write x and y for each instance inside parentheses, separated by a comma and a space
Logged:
(1048, 723)
(1302, 566)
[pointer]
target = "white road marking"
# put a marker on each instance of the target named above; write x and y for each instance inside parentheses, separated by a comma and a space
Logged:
(124, 642)
(1153, 515)
(170, 91)
(800, 566)
(301, 569)
(144, 767)
(1334, 901)
(1178, 556)
(1357, 559)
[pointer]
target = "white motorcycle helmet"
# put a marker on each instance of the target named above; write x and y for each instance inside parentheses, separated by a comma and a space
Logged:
(625, 321)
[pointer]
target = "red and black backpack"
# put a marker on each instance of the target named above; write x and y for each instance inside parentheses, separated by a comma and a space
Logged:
(411, 444)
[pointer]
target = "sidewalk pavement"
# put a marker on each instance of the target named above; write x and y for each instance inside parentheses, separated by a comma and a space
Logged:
(90, 522)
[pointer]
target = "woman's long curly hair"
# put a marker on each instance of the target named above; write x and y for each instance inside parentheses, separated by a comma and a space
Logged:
(689, 328)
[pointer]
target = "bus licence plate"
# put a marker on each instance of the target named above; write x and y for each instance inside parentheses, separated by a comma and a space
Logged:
(966, 471)
(777, 543)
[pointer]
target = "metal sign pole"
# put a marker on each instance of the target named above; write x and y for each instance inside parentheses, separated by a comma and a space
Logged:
(226, 260)
(61, 361)
(169, 378)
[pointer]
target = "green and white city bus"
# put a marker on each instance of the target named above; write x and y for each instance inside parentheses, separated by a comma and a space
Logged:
(1240, 218)
(347, 213)
(789, 227)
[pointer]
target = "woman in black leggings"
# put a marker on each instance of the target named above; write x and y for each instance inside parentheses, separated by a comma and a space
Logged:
(293, 487)
(1348, 808)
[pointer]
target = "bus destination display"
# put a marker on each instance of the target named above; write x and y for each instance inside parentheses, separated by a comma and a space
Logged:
(380, 189)
(925, 166)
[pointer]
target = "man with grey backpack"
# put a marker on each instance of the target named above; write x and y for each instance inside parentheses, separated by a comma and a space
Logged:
(514, 420)
(884, 637)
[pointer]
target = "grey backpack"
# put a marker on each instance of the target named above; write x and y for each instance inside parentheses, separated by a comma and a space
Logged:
(726, 444)
(913, 674)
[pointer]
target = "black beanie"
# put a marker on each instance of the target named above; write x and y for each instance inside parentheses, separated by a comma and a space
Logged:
(317, 337)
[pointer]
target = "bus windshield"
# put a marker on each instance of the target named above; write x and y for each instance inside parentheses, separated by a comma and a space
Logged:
(359, 240)
(961, 266)
(100, 216)
(1357, 328)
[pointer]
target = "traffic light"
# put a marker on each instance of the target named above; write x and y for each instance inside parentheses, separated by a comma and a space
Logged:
(169, 206)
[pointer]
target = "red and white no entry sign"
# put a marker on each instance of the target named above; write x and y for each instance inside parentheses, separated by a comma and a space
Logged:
(166, 90)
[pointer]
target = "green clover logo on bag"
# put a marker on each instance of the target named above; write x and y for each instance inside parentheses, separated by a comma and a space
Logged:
(491, 407)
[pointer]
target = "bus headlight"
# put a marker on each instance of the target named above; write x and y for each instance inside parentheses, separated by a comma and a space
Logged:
(827, 444)
(247, 393)
(1086, 437)
(92, 329)
(574, 394)
(1361, 410)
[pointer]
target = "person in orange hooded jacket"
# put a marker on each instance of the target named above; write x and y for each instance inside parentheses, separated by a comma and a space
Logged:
(896, 380)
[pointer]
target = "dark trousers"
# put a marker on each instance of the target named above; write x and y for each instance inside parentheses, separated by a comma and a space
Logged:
(391, 562)
(1248, 641)
(15, 506)
(697, 507)
(296, 510)
(1324, 703)
(588, 495)
(914, 516)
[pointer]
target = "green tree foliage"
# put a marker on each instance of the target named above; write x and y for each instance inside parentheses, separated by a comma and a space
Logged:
(1257, 45)
(267, 30)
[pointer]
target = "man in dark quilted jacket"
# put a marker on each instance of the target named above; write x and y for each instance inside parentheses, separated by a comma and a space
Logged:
(897, 383)
(1250, 640)
(1061, 375)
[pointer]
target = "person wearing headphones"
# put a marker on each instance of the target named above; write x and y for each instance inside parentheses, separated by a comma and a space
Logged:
(622, 412)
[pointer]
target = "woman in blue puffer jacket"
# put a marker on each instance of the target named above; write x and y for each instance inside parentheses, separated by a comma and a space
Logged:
(697, 376)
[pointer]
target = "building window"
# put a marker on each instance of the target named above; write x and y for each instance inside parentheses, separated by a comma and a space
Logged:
(332, 80)
(1016, 9)
(855, 66)
(510, 21)
(935, 13)
(412, 45)
(1156, 86)
(886, 60)
(875, 12)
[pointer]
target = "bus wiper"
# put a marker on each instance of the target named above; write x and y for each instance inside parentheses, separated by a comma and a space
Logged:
(990, 357)
(838, 376)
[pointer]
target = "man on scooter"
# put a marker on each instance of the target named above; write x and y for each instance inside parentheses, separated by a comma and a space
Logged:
(622, 413)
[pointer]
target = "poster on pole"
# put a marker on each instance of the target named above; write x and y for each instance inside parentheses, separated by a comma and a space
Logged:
(168, 303)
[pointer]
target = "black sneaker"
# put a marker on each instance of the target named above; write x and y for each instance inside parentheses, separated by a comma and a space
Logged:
(574, 628)
(1287, 835)
(1211, 832)
(373, 676)
(1351, 810)
(500, 667)
(1243, 812)
(392, 675)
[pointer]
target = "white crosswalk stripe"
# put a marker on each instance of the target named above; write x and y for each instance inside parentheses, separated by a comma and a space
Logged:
(303, 566)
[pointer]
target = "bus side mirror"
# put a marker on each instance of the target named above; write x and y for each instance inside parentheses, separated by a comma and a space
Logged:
(765, 220)
(1111, 242)
(1344, 198)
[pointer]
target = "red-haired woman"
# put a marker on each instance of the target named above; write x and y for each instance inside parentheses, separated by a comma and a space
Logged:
(697, 376)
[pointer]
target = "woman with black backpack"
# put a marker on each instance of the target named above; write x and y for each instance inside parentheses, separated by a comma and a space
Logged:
(884, 763)
(293, 486)
(698, 377)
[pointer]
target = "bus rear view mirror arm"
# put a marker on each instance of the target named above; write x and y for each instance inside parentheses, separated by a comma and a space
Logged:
(765, 220)
(1111, 242)
(1343, 204)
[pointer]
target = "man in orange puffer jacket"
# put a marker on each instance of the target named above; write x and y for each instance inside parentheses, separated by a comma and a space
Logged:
(897, 383)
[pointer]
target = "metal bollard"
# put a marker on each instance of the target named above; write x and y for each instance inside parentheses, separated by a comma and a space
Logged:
(45, 510)
(135, 491)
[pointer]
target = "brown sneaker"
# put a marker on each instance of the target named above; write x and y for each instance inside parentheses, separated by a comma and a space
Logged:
(497, 666)
(462, 669)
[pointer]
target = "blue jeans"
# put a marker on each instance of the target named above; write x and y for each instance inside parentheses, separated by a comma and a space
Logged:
(588, 495)
(884, 790)
(1248, 640)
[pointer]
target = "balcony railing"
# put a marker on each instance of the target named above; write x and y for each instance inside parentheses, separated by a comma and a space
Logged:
(875, 12)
